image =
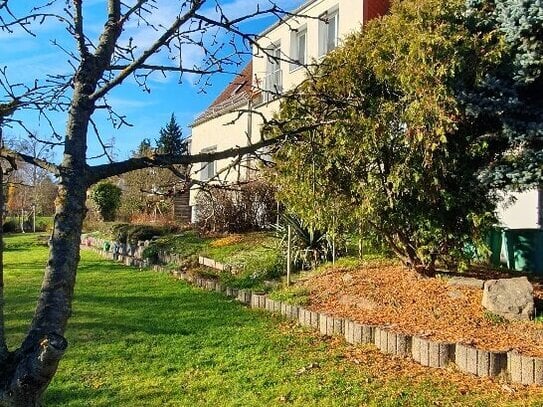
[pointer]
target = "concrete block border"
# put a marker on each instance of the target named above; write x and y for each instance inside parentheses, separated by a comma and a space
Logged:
(514, 365)
(244, 296)
(258, 301)
(525, 369)
(356, 333)
(308, 318)
(330, 325)
(272, 305)
(388, 341)
(480, 362)
(289, 311)
(204, 261)
(431, 353)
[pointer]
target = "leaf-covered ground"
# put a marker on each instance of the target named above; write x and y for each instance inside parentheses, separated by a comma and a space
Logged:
(139, 338)
(388, 294)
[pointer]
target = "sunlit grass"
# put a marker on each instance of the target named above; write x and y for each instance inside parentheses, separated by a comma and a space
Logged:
(139, 338)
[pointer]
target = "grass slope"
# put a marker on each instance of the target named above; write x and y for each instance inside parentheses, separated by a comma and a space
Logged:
(254, 257)
(139, 338)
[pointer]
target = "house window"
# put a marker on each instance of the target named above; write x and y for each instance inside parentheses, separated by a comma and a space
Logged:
(298, 48)
(274, 76)
(328, 31)
(209, 169)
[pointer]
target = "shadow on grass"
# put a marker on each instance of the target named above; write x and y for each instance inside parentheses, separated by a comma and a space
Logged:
(185, 313)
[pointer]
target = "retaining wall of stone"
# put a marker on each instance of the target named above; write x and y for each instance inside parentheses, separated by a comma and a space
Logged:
(518, 368)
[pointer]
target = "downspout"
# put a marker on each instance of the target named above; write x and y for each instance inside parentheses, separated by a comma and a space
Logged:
(249, 132)
(540, 207)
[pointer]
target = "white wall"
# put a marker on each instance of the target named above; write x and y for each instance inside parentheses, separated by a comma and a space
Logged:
(523, 213)
(222, 132)
(350, 20)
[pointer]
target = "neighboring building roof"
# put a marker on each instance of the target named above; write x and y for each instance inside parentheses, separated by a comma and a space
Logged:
(237, 93)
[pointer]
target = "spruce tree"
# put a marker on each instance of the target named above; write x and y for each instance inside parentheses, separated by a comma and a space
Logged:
(508, 99)
(171, 139)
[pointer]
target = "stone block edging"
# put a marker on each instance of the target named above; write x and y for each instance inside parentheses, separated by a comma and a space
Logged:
(258, 301)
(432, 353)
(308, 318)
(272, 305)
(388, 341)
(204, 261)
(519, 368)
(356, 333)
(480, 362)
(289, 311)
(330, 325)
(525, 369)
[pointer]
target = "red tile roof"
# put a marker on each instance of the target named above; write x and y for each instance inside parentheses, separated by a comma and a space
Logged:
(239, 90)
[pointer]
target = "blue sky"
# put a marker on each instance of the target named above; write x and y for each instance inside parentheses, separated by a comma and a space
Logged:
(29, 58)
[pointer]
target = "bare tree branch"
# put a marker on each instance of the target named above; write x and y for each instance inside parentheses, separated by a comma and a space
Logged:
(159, 43)
(38, 162)
(99, 172)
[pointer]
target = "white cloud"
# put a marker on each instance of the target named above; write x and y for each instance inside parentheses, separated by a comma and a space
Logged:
(126, 104)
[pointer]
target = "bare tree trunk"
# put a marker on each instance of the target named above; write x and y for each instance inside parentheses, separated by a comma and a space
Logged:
(26, 372)
(3, 346)
(33, 365)
(30, 369)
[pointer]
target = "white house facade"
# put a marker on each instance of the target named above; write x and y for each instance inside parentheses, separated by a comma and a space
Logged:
(525, 212)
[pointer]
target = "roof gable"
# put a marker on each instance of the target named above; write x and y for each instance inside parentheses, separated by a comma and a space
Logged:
(238, 91)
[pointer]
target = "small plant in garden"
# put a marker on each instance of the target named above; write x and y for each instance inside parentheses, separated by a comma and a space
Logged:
(494, 318)
(107, 198)
(296, 295)
(310, 246)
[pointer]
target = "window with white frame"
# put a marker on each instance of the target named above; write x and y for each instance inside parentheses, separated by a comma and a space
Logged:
(328, 31)
(298, 51)
(209, 169)
(273, 84)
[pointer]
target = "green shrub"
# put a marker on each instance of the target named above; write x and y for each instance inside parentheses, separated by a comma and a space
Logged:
(127, 233)
(11, 226)
(107, 198)
(295, 295)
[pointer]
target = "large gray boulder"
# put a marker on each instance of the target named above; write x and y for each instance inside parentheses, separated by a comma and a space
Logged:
(510, 298)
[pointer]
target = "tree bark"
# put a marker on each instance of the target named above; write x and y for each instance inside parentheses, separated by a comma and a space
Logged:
(31, 368)
(3, 345)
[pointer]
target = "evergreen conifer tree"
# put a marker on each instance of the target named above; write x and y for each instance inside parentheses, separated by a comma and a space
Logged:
(171, 139)
(508, 98)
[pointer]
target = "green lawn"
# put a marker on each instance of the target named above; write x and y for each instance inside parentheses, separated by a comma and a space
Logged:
(139, 338)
